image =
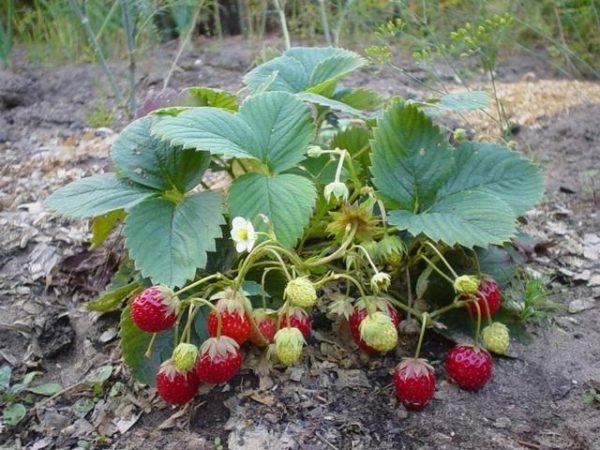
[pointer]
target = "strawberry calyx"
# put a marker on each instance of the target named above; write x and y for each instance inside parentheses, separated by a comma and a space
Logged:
(414, 367)
(219, 346)
(170, 369)
(232, 301)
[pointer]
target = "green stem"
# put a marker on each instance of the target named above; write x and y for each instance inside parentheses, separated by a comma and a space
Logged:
(454, 305)
(148, 353)
(353, 280)
(202, 301)
(130, 37)
(338, 253)
(199, 282)
(407, 309)
(478, 328)
(325, 22)
(433, 247)
(368, 257)
(283, 21)
(434, 267)
(424, 322)
(338, 171)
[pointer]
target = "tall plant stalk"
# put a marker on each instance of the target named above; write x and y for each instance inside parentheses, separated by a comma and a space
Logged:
(325, 22)
(130, 37)
(85, 22)
(279, 6)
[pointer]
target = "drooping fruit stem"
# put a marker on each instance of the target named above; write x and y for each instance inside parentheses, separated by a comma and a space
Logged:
(424, 322)
(478, 327)
(148, 352)
(434, 248)
(371, 263)
(192, 313)
(437, 269)
(335, 255)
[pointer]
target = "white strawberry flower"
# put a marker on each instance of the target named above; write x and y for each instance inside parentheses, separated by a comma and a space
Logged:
(243, 234)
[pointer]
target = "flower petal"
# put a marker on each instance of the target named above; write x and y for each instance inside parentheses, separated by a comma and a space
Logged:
(241, 246)
(239, 222)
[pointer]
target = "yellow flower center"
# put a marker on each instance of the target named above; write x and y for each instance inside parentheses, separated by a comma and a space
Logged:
(243, 234)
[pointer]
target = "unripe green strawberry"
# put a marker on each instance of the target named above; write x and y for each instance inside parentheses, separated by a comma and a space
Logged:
(184, 356)
(288, 345)
(300, 292)
(379, 332)
(466, 284)
(496, 338)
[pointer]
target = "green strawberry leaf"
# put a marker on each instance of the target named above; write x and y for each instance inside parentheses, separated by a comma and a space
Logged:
(274, 128)
(135, 342)
(355, 139)
(168, 241)
(468, 218)
(96, 195)
(5, 374)
(215, 98)
(495, 170)
(461, 101)
(286, 199)
(410, 157)
(301, 69)
(150, 162)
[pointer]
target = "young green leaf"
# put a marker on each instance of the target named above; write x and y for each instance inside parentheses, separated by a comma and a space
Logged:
(101, 226)
(468, 218)
(134, 343)
(286, 199)
(361, 98)
(150, 162)
(46, 389)
(5, 374)
(168, 241)
(496, 170)
(330, 103)
(110, 300)
(215, 98)
(410, 157)
(96, 195)
(13, 414)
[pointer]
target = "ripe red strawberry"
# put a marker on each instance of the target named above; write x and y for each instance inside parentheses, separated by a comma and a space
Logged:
(174, 386)
(235, 323)
(488, 298)
(219, 360)
(469, 367)
(267, 327)
(298, 319)
(155, 309)
(414, 381)
(360, 312)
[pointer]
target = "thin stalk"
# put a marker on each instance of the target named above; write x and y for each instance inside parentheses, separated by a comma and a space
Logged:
(415, 312)
(424, 322)
(437, 269)
(130, 36)
(434, 248)
(338, 253)
(351, 279)
(338, 31)
(283, 21)
(199, 282)
(85, 22)
(217, 19)
(325, 22)
(371, 263)
(195, 301)
(148, 352)
(184, 42)
(478, 328)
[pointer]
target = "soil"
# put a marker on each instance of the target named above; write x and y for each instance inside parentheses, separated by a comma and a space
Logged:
(337, 398)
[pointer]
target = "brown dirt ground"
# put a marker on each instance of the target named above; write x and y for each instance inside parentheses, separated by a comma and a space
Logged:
(337, 398)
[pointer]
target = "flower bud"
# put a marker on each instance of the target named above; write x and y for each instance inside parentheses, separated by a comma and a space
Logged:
(314, 151)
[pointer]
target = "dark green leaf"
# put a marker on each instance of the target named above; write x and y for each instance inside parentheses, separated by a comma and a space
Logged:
(410, 157)
(361, 98)
(466, 218)
(150, 162)
(330, 103)
(168, 241)
(498, 171)
(287, 200)
(355, 139)
(96, 195)
(134, 343)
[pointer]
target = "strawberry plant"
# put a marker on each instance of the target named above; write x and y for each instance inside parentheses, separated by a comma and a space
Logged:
(329, 187)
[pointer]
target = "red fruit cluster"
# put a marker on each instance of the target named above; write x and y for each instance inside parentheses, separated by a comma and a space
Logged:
(487, 297)
(219, 360)
(358, 316)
